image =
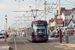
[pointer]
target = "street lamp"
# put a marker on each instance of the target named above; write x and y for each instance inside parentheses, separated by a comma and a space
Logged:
(6, 27)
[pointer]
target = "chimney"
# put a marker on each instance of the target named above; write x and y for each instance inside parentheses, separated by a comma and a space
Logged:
(61, 10)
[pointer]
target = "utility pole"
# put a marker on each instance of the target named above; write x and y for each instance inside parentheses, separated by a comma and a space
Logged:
(44, 10)
(60, 38)
(32, 10)
(55, 21)
(24, 25)
(36, 8)
(19, 12)
(6, 27)
(24, 21)
(28, 17)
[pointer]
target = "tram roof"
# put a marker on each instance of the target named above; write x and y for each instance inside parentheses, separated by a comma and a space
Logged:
(39, 21)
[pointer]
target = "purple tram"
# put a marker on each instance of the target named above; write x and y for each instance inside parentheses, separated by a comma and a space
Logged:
(38, 31)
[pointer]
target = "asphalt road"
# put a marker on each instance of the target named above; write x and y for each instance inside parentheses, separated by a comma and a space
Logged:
(21, 43)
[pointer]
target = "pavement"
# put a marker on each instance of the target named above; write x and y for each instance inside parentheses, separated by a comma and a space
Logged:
(3, 44)
(69, 45)
(56, 41)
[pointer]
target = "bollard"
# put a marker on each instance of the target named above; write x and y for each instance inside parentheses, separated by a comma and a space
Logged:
(67, 38)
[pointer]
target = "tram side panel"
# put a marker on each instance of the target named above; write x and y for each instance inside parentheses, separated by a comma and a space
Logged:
(29, 33)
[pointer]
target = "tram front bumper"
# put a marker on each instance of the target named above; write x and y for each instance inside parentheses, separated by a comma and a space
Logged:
(39, 38)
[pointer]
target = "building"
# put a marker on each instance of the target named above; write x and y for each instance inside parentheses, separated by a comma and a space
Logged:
(51, 24)
(68, 16)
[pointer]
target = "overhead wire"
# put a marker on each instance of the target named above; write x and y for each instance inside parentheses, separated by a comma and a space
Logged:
(69, 1)
(51, 8)
(39, 3)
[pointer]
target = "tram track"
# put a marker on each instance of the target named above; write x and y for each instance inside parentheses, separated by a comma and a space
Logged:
(20, 44)
(26, 44)
(23, 44)
(34, 48)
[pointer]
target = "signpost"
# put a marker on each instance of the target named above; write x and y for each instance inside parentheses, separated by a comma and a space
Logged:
(60, 23)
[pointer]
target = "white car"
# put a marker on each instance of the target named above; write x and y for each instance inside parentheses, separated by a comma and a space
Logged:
(1, 35)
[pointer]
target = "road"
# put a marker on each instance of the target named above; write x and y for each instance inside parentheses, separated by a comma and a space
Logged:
(21, 43)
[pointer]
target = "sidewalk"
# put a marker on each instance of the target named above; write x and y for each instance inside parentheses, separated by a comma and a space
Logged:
(3, 44)
(70, 45)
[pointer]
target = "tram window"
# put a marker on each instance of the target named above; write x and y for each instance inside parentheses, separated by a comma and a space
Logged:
(41, 31)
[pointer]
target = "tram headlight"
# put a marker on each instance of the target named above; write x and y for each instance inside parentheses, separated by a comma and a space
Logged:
(44, 36)
(36, 36)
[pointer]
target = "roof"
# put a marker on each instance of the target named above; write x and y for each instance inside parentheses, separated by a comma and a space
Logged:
(66, 12)
(41, 21)
(70, 21)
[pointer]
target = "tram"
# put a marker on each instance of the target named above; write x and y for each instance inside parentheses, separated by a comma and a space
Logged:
(38, 31)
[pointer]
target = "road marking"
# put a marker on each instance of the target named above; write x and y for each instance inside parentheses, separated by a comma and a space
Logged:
(54, 45)
(63, 47)
(60, 46)
(54, 38)
(15, 44)
(68, 48)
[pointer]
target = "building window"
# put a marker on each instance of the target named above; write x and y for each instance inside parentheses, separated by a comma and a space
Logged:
(72, 16)
(71, 25)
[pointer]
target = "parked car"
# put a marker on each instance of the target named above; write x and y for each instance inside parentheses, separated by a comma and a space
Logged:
(69, 33)
(57, 34)
(52, 34)
(1, 35)
(5, 35)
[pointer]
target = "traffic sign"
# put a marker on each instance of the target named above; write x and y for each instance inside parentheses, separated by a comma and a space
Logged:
(59, 22)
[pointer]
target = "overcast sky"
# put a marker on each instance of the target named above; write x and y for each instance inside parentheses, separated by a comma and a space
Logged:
(8, 6)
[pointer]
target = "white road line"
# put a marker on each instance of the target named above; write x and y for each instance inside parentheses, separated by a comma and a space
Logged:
(63, 47)
(15, 44)
(54, 38)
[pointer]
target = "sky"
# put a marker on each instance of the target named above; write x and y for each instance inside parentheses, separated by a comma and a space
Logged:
(7, 7)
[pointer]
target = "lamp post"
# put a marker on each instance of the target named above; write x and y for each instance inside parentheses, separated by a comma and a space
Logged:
(24, 25)
(6, 27)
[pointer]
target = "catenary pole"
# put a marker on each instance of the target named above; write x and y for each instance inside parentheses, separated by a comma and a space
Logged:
(44, 10)
(36, 8)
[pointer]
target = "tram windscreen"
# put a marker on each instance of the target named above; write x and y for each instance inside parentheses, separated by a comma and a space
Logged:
(39, 30)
